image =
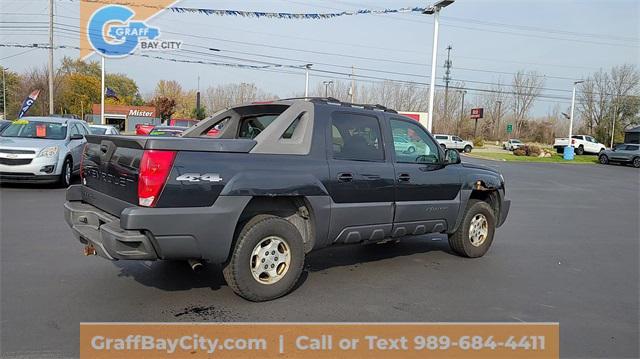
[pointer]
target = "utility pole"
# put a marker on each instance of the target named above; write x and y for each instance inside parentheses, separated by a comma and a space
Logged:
(306, 82)
(498, 120)
(326, 87)
(447, 79)
(352, 90)
(51, 57)
(461, 113)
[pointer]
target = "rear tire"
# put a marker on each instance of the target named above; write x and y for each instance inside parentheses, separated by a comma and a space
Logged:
(244, 272)
(580, 151)
(467, 149)
(65, 174)
(603, 159)
(560, 150)
(636, 162)
(474, 239)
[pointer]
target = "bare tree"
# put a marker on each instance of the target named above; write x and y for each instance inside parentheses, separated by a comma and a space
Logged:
(609, 101)
(223, 96)
(495, 103)
(526, 87)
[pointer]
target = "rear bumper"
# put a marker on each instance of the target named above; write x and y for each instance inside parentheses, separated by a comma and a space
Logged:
(142, 233)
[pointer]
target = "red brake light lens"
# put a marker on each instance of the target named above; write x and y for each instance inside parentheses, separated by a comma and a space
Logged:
(155, 167)
(573, 141)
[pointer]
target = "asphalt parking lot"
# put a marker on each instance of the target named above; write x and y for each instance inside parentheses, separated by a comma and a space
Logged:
(568, 253)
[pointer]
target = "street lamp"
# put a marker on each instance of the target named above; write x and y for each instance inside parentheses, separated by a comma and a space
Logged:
(573, 104)
(306, 82)
(434, 10)
(326, 87)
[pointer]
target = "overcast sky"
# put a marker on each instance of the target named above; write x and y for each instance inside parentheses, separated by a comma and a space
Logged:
(564, 40)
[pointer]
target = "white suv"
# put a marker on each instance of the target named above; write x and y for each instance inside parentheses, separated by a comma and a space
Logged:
(454, 142)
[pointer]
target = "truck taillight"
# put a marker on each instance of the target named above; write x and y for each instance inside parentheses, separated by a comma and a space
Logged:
(154, 170)
(573, 141)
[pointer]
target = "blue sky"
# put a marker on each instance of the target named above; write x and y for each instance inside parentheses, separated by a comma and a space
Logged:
(564, 40)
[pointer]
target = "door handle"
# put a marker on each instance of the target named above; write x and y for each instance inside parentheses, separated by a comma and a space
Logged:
(404, 177)
(345, 177)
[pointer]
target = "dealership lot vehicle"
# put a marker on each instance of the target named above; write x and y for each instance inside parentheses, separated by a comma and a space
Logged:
(42, 149)
(269, 190)
(624, 153)
(144, 129)
(512, 144)
(582, 144)
(167, 131)
(4, 124)
(454, 142)
(103, 130)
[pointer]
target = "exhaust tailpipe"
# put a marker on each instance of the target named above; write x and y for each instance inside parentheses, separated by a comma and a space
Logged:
(195, 265)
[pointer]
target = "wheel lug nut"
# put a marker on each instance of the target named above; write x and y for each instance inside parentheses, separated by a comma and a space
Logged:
(276, 258)
(272, 265)
(266, 267)
(262, 260)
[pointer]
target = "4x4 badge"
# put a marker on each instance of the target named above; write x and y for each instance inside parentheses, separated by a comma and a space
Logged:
(196, 177)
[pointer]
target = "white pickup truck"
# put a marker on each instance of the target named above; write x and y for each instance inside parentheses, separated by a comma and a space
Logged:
(454, 142)
(581, 143)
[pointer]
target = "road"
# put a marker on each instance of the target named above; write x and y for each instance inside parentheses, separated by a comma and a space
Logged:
(568, 253)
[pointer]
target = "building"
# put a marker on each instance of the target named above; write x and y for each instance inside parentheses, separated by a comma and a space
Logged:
(632, 135)
(124, 117)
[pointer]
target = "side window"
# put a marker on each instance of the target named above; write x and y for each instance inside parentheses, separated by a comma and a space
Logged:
(416, 145)
(83, 129)
(74, 130)
(631, 148)
(356, 137)
(250, 127)
(441, 137)
(456, 138)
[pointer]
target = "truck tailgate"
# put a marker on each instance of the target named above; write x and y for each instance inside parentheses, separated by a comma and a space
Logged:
(111, 164)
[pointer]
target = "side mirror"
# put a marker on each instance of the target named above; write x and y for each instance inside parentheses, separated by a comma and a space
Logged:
(451, 157)
(76, 137)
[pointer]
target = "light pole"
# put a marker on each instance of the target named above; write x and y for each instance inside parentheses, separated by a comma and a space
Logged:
(326, 87)
(4, 95)
(434, 10)
(573, 105)
(306, 81)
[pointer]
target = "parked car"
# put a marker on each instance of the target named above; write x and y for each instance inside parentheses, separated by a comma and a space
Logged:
(625, 153)
(143, 129)
(316, 175)
(103, 130)
(512, 144)
(4, 124)
(167, 131)
(582, 144)
(42, 149)
(403, 144)
(185, 122)
(454, 142)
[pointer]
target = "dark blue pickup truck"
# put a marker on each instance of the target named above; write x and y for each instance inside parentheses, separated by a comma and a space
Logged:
(280, 180)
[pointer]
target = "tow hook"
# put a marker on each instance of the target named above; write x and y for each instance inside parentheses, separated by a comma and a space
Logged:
(195, 265)
(89, 250)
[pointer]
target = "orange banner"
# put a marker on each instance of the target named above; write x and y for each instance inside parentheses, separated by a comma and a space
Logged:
(319, 340)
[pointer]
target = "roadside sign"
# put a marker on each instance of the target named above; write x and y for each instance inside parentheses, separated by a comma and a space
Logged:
(509, 128)
(477, 113)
